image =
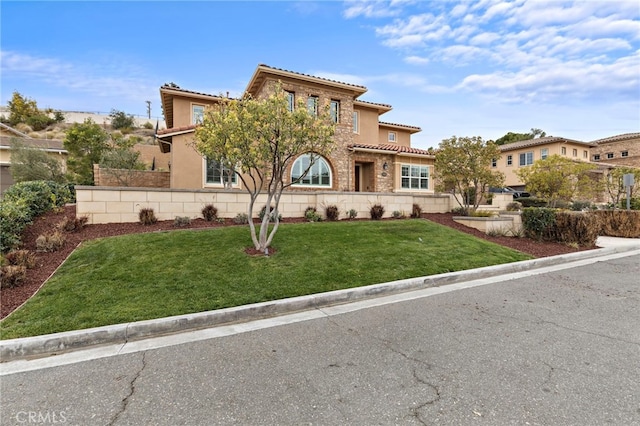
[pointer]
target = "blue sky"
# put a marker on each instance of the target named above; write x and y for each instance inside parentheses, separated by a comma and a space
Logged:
(470, 68)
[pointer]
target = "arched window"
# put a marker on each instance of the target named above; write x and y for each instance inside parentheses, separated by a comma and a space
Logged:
(318, 175)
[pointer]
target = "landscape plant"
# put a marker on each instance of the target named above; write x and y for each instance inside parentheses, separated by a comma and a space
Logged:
(209, 213)
(258, 140)
(463, 165)
(376, 211)
(85, 143)
(331, 212)
(33, 164)
(147, 216)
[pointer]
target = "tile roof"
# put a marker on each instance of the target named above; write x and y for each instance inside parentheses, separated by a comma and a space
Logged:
(617, 138)
(310, 76)
(377, 104)
(46, 144)
(540, 141)
(406, 126)
(174, 130)
(400, 149)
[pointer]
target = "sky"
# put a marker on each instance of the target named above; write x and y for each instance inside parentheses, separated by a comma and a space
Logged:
(453, 68)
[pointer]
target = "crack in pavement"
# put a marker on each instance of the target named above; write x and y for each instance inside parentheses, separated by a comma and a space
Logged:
(415, 412)
(132, 388)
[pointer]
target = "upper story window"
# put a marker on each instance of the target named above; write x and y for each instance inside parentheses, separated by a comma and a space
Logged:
(334, 110)
(392, 137)
(356, 122)
(291, 100)
(526, 158)
(494, 162)
(414, 177)
(564, 150)
(575, 152)
(197, 114)
(312, 105)
(509, 160)
(318, 175)
(624, 154)
(217, 174)
(544, 153)
(596, 157)
(609, 154)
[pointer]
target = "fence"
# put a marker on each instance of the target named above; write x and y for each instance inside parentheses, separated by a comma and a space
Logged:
(122, 204)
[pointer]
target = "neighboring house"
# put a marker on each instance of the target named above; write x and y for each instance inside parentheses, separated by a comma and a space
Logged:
(620, 150)
(50, 146)
(524, 153)
(369, 155)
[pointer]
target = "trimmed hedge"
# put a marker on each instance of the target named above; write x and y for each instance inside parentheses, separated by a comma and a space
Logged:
(619, 223)
(544, 224)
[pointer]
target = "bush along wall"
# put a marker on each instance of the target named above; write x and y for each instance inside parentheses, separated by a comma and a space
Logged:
(23, 202)
(545, 224)
(619, 223)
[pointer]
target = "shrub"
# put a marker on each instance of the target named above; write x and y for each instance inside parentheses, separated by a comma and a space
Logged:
(397, 214)
(120, 120)
(40, 196)
(459, 211)
(352, 214)
(619, 223)
(634, 204)
(332, 213)
(40, 121)
(416, 211)
(576, 228)
(12, 276)
(311, 214)
(210, 213)
(15, 215)
(532, 202)
(480, 213)
(538, 222)
(376, 211)
(272, 214)
(241, 219)
(148, 125)
(578, 206)
(147, 216)
(182, 221)
(515, 206)
(72, 225)
(21, 258)
(50, 242)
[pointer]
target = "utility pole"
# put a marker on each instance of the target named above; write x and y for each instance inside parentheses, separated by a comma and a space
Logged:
(148, 109)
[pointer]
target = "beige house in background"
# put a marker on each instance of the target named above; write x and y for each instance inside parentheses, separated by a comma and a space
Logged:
(369, 155)
(524, 153)
(620, 150)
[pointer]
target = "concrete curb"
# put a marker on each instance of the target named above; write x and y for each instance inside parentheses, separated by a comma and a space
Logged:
(52, 344)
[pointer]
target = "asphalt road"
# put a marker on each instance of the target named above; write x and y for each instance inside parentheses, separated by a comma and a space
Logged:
(558, 348)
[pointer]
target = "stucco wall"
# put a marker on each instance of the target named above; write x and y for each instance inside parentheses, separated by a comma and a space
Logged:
(116, 205)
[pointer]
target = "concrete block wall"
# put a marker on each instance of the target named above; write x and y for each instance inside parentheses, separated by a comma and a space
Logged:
(123, 204)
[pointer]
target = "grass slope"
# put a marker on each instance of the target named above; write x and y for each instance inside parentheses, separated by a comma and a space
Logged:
(145, 276)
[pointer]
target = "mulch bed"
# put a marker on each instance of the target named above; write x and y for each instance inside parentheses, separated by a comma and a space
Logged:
(47, 263)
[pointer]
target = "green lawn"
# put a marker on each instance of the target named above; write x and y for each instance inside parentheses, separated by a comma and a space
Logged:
(145, 276)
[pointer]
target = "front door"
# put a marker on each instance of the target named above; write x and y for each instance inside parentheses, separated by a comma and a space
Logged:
(358, 171)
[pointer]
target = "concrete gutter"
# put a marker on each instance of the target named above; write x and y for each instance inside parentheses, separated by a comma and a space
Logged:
(57, 343)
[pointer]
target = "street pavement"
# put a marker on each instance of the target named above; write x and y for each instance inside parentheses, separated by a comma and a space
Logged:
(553, 346)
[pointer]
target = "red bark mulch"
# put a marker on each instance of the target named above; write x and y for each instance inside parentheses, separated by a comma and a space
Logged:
(47, 263)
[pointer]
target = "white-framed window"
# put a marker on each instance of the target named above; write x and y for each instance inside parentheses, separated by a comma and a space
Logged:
(526, 158)
(312, 105)
(291, 100)
(574, 152)
(596, 157)
(494, 162)
(564, 150)
(334, 110)
(509, 160)
(585, 154)
(392, 137)
(356, 123)
(624, 154)
(544, 153)
(197, 114)
(318, 175)
(609, 154)
(217, 174)
(414, 176)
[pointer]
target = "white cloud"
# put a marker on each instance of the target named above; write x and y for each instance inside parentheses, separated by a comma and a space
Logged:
(416, 60)
(371, 9)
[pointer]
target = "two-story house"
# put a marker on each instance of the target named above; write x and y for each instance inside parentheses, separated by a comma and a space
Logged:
(619, 150)
(369, 155)
(524, 153)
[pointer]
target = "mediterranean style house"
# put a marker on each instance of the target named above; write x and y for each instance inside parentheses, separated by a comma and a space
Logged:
(620, 150)
(369, 155)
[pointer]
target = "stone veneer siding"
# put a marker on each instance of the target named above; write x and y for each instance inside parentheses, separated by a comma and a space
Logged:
(631, 145)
